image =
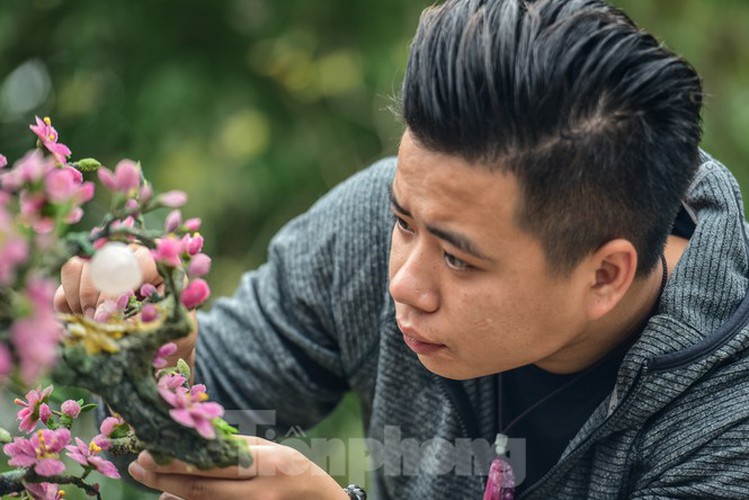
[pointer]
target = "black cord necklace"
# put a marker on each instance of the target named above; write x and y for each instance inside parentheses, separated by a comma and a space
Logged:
(501, 482)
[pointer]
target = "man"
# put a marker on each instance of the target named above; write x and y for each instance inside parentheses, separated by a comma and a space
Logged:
(565, 269)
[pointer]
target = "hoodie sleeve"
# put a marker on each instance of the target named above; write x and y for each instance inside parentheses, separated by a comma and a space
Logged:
(293, 334)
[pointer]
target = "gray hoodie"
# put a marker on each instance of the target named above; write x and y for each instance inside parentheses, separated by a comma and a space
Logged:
(317, 321)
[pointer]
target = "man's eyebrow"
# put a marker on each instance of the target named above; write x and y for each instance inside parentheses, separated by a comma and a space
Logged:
(397, 206)
(462, 243)
(459, 241)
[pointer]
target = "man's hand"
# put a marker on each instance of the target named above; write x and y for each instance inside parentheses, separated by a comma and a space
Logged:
(277, 471)
(78, 295)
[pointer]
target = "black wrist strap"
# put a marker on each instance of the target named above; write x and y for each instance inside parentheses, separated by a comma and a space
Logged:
(355, 492)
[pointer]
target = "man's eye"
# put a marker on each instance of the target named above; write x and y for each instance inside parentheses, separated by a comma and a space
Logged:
(455, 263)
(403, 225)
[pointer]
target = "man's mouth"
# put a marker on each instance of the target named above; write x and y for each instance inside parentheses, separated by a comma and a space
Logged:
(417, 343)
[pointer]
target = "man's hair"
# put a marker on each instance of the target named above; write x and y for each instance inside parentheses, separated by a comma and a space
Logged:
(597, 121)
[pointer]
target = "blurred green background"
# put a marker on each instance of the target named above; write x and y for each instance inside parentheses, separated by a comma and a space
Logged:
(256, 107)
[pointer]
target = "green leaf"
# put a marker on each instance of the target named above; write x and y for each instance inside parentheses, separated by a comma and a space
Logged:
(184, 368)
(65, 421)
(87, 406)
(224, 427)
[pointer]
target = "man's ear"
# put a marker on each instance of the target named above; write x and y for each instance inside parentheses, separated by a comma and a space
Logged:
(613, 268)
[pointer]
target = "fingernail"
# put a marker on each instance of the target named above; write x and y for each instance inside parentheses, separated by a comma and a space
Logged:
(136, 470)
(169, 496)
(89, 312)
(146, 460)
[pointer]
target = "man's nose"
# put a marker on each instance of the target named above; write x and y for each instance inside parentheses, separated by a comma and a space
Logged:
(414, 282)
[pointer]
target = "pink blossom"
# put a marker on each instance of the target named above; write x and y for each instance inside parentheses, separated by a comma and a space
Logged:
(146, 192)
(41, 292)
(131, 204)
(199, 266)
(60, 185)
(40, 451)
(192, 244)
(44, 491)
(75, 216)
(3, 161)
(189, 407)
(36, 336)
(13, 251)
(126, 177)
(167, 251)
(105, 311)
(75, 174)
(195, 293)
(127, 222)
(6, 362)
(71, 408)
(148, 314)
(30, 414)
(193, 224)
(29, 169)
(36, 341)
(45, 225)
(110, 425)
(172, 199)
(168, 383)
(159, 360)
(173, 221)
(99, 242)
(124, 300)
(88, 456)
(48, 137)
(147, 290)
(85, 192)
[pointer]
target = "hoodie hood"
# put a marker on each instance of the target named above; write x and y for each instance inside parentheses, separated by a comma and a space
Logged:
(704, 307)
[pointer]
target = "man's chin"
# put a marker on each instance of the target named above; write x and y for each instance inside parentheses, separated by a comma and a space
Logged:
(452, 371)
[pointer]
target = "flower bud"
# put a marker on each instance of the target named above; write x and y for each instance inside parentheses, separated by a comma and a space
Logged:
(71, 408)
(199, 266)
(173, 221)
(195, 293)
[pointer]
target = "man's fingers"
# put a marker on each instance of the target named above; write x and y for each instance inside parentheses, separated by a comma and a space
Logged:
(147, 266)
(70, 275)
(60, 302)
(88, 294)
(177, 467)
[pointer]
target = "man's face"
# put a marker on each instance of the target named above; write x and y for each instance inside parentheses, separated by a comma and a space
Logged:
(473, 294)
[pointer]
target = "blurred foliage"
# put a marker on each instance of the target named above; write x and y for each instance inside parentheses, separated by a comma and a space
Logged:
(256, 107)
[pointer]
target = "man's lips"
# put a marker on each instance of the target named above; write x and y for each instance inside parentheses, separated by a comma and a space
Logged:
(417, 343)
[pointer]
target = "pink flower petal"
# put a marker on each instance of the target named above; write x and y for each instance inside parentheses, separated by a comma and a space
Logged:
(49, 467)
(205, 429)
(172, 199)
(182, 416)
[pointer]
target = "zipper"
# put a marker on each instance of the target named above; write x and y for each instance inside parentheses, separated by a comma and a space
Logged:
(592, 436)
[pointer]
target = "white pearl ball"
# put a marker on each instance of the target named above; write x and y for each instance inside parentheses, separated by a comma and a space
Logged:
(114, 269)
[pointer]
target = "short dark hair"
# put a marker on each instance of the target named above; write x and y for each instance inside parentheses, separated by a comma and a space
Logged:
(598, 122)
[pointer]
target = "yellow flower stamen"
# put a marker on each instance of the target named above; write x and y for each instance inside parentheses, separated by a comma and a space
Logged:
(93, 447)
(41, 452)
(47, 121)
(51, 137)
(203, 396)
(61, 494)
